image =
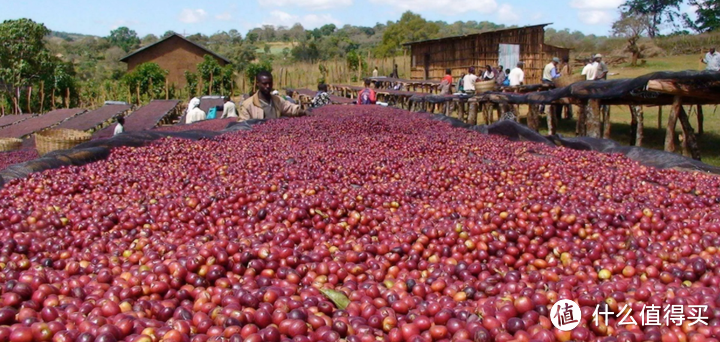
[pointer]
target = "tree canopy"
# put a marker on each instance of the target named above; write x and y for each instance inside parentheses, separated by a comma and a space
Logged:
(124, 38)
(411, 27)
(659, 12)
(708, 16)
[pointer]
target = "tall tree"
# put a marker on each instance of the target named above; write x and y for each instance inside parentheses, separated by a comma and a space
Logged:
(124, 38)
(410, 27)
(149, 39)
(658, 11)
(168, 33)
(708, 16)
(631, 27)
(24, 59)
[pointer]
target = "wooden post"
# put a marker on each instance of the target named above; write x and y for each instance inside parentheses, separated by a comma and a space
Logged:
(580, 126)
(606, 124)
(210, 85)
(129, 94)
(67, 97)
(700, 119)
(29, 99)
(137, 90)
(42, 95)
(552, 121)
(461, 110)
(52, 99)
(640, 125)
(533, 118)
(167, 90)
(594, 129)
(659, 117)
(672, 120)
(472, 117)
(689, 143)
(633, 125)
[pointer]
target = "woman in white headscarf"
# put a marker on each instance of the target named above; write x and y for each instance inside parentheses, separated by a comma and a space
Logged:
(194, 113)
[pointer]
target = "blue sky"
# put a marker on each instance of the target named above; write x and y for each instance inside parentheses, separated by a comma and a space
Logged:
(157, 16)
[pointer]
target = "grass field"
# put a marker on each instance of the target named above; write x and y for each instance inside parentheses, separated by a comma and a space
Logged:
(654, 134)
(276, 48)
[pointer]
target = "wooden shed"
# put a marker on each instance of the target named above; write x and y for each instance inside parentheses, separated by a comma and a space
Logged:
(174, 53)
(504, 47)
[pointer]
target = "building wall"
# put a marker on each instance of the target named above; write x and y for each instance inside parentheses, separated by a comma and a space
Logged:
(460, 53)
(174, 55)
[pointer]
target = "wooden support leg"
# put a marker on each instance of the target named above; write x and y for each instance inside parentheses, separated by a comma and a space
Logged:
(594, 129)
(552, 121)
(633, 125)
(606, 119)
(659, 117)
(672, 120)
(700, 119)
(461, 111)
(473, 109)
(689, 143)
(487, 112)
(533, 118)
(640, 125)
(581, 125)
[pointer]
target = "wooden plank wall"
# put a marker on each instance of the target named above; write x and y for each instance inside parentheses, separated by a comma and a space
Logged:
(460, 53)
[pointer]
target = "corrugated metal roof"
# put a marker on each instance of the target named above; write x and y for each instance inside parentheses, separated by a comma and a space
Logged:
(124, 59)
(476, 34)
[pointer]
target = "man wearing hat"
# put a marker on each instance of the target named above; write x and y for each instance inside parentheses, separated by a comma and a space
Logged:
(550, 72)
(601, 67)
(549, 75)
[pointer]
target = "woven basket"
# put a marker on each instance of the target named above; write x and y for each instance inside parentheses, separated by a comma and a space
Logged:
(483, 86)
(564, 81)
(10, 144)
(59, 139)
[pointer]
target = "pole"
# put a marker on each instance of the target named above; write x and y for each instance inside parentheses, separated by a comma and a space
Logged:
(672, 121)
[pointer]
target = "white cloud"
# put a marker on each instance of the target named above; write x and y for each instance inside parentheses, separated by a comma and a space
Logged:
(313, 5)
(123, 22)
(595, 4)
(309, 21)
(447, 7)
(596, 17)
(507, 14)
(192, 16)
(224, 16)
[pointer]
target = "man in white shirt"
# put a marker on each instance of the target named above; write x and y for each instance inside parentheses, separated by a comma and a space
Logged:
(517, 75)
(712, 59)
(119, 127)
(194, 114)
(550, 72)
(469, 81)
(375, 72)
(229, 110)
(587, 69)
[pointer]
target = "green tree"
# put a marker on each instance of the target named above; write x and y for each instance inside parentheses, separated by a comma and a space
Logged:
(149, 39)
(252, 37)
(631, 27)
(24, 59)
(168, 34)
(708, 16)
(254, 68)
(411, 27)
(124, 38)
(150, 77)
(659, 12)
(191, 83)
(210, 72)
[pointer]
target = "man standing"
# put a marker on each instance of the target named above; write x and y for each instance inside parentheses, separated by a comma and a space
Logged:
(264, 105)
(517, 75)
(712, 60)
(550, 72)
(589, 70)
(375, 72)
(469, 81)
(367, 96)
(446, 83)
(500, 75)
(602, 69)
(229, 110)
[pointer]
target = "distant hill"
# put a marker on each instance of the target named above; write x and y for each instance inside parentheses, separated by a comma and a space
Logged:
(68, 36)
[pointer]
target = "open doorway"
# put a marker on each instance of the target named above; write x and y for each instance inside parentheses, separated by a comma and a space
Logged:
(509, 55)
